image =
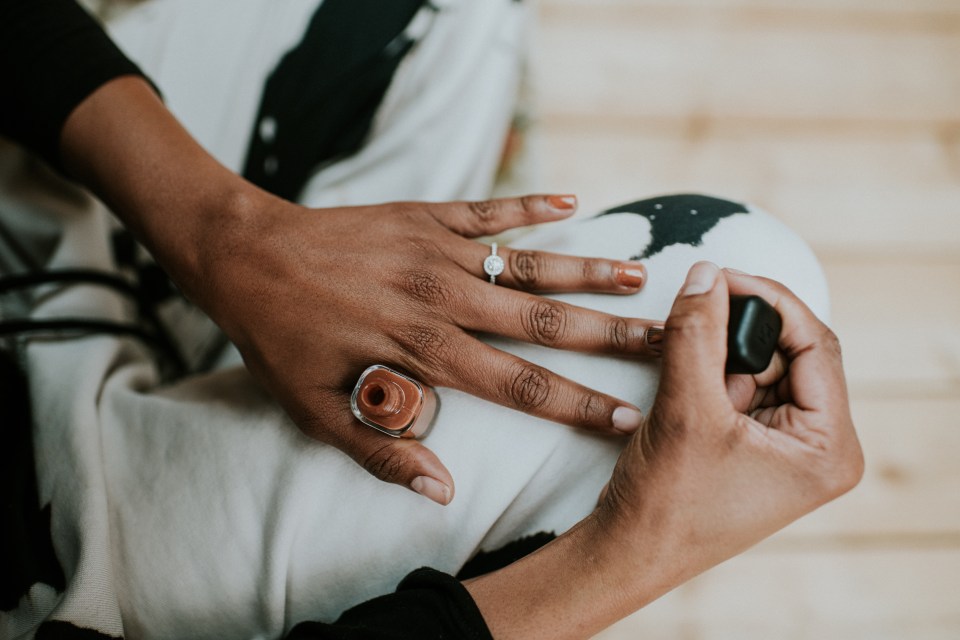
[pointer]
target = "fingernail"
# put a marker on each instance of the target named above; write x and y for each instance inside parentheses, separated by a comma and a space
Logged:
(627, 419)
(736, 271)
(701, 278)
(654, 338)
(564, 204)
(432, 489)
(631, 274)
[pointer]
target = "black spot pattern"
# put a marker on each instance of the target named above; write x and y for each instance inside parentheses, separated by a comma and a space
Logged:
(319, 103)
(679, 219)
(26, 548)
(59, 630)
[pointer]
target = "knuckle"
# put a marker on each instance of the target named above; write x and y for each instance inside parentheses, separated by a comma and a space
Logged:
(832, 342)
(427, 344)
(387, 463)
(618, 334)
(545, 323)
(529, 204)
(848, 472)
(591, 409)
(691, 324)
(425, 287)
(527, 268)
(484, 211)
(529, 387)
(594, 270)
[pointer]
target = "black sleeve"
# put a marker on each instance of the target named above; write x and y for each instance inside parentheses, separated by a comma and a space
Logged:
(427, 605)
(53, 55)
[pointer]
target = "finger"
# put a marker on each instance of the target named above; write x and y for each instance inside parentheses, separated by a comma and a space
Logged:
(488, 217)
(543, 271)
(402, 461)
(748, 392)
(811, 348)
(559, 325)
(505, 379)
(695, 344)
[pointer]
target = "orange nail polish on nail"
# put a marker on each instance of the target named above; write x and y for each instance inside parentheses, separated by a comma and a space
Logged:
(631, 274)
(654, 339)
(393, 403)
(562, 203)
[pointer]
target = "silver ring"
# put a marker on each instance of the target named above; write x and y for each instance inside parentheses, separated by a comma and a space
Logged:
(493, 264)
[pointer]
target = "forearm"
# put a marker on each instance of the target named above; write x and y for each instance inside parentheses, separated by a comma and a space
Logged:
(123, 144)
(577, 585)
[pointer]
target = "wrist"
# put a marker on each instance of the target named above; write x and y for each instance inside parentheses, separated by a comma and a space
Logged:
(591, 576)
(180, 202)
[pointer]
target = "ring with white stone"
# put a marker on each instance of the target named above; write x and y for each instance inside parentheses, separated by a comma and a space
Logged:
(493, 264)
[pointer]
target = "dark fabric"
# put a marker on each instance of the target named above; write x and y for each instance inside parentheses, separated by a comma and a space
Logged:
(58, 630)
(428, 605)
(26, 548)
(53, 55)
(319, 103)
(487, 561)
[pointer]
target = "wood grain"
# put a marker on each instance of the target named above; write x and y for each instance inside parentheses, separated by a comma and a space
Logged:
(841, 117)
(844, 187)
(872, 594)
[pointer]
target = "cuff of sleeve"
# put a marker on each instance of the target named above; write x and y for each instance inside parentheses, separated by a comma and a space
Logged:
(459, 603)
(54, 57)
(427, 605)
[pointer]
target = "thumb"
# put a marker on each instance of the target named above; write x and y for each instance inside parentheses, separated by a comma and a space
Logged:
(402, 461)
(695, 348)
(405, 462)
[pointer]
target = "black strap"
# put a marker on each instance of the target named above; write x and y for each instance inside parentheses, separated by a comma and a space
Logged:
(319, 103)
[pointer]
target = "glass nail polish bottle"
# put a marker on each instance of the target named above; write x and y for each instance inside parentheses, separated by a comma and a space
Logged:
(393, 403)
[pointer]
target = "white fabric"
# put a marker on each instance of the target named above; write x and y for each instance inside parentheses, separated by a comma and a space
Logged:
(198, 510)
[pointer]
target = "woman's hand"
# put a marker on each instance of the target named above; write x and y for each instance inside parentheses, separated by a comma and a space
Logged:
(720, 463)
(313, 297)
(723, 462)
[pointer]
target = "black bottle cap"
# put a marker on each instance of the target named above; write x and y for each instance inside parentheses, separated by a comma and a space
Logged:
(752, 334)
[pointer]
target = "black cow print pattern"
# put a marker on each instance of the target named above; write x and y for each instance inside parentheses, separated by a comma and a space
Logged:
(679, 219)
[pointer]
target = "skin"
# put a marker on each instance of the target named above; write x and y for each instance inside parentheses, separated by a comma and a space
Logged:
(311, 297)
(720, 463)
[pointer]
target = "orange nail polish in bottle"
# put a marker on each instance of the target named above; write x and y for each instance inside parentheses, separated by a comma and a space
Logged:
(393, 403)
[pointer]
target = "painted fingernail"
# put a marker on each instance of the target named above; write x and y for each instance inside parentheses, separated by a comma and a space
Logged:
(631, 274)
(627, 419)
(701, 278)
(654, 338)
(432, 489)
(564, 204)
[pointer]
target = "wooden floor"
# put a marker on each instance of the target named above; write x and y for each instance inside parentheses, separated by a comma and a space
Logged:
(843, 118)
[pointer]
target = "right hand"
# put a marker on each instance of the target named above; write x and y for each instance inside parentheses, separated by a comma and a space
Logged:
(724, 461)
(720, 463)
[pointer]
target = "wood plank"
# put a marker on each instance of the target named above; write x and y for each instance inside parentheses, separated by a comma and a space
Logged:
(910, 492)
(648, 64)
(831, 6)
(843, 595)
(899, 324)
(841, 186)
